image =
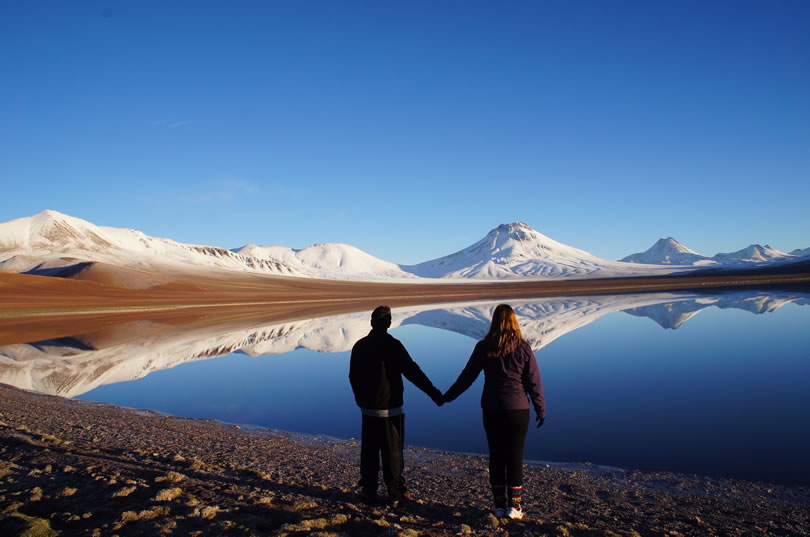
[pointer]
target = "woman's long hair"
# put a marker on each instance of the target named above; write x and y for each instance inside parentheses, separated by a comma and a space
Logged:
(504, 332)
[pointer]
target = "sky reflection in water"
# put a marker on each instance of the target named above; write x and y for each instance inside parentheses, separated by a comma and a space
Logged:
(725, 394)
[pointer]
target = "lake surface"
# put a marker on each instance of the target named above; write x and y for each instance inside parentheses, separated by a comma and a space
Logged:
(699, 384)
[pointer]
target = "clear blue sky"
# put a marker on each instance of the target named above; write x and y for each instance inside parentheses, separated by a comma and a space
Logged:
(411, 128)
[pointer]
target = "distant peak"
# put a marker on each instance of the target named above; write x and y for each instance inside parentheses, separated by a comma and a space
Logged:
(49, 214)
(515, 226)
(49, 218)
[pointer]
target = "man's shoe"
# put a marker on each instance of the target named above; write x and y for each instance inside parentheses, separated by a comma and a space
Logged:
(369, 497)
(515, 513)
(397, 501)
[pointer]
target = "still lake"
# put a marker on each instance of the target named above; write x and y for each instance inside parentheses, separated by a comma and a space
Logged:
(699, 384)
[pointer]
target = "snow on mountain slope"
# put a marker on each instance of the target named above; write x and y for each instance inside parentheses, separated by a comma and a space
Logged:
(801, 252)
(51, 243)
(668, 252)
(51, 239)
(517, 250)
(331, 260)
(751, 254)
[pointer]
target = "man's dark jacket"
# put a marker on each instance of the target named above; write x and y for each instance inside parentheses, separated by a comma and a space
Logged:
(377, 365)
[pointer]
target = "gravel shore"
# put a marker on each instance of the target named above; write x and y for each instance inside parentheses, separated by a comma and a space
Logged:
(80, 468)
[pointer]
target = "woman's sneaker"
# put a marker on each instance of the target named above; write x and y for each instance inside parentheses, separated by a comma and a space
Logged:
(500, 512)
(515, 513)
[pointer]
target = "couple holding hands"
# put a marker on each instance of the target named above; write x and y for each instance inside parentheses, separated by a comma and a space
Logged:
(511, 385)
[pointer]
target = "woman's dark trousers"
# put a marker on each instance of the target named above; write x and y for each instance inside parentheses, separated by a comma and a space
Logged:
(382, 438)
(506, 435)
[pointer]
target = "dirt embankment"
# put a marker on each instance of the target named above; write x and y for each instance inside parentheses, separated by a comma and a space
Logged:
(78, 468)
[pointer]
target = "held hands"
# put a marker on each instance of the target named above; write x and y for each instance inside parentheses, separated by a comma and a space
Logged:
(438, 398)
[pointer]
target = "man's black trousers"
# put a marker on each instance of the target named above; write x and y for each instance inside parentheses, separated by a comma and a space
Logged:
(382, 438)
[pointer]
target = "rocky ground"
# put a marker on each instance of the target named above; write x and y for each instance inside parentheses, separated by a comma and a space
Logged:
(78, 468)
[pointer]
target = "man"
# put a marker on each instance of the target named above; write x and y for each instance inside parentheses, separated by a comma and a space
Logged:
(377, 364)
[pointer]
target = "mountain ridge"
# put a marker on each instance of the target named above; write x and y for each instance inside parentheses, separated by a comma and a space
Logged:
(671, 252)
(49, 241)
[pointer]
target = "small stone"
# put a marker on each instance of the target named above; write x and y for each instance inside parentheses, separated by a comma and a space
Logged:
(126, 491)
(39, 527)
(465, 529)
(315, 524)
(209, 512)
(128, 516)
(167, 495)
(304, 505)
(338, 519)
(172, 477)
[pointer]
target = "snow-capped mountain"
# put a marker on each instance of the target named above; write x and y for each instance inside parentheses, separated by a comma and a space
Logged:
(51, 243)
(332, 260)
(55, 244)
(751, 254)
(801, 252)
(517, 250)
(668, 252)
(52, 239)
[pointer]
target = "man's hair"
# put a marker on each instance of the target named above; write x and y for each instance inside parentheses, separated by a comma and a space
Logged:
(381, 317)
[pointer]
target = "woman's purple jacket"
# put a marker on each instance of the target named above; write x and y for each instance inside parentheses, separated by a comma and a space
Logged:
(507, 379)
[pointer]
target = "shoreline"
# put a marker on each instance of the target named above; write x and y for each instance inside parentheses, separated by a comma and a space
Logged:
(86, 468)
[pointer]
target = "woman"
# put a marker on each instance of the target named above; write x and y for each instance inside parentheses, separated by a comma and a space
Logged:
(510, 373)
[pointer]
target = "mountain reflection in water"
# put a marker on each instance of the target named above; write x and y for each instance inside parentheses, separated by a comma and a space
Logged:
(73, 366)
